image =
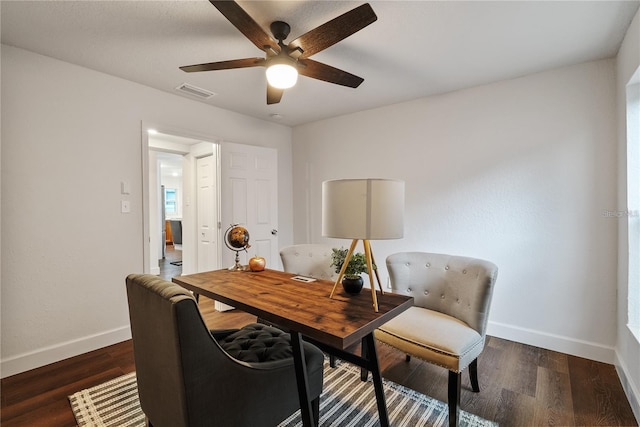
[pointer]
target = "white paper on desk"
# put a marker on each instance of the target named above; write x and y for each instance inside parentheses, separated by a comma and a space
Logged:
(303, 279)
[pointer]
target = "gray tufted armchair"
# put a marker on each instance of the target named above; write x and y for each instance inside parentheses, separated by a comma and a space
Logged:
(311, 260)
(448, 322)
(189, 376)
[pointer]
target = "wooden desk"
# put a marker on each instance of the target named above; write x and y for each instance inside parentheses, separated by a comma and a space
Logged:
(306, 309)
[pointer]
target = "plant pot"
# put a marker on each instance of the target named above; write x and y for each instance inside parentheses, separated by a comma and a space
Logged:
(352, 285)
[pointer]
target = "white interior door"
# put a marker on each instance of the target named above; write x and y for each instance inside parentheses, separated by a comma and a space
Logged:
(250, 198)
(207, 216)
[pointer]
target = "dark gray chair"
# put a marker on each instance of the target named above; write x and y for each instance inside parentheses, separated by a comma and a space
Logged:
(448, 322)
(187, 378)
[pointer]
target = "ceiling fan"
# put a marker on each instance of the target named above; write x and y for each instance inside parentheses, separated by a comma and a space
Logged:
(293, 57)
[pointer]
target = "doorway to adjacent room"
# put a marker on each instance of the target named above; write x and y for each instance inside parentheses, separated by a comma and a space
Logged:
(174, 203)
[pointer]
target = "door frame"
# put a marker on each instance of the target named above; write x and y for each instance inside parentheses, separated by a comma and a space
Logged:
(178, 149)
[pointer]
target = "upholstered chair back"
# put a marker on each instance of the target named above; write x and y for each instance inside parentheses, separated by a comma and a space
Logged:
(154, 308)
(457, 286)
(311, 260)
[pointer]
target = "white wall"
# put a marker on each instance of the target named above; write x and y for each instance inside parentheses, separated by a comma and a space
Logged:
(69, 137)
(628, 347)
(517, 172)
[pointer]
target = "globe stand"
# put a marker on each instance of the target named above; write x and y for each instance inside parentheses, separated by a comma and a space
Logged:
(237, 266)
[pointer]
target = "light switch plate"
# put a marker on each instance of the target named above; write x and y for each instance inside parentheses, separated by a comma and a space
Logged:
(125, 187)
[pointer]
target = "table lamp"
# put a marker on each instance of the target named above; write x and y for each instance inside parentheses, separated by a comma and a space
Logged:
(363, 209)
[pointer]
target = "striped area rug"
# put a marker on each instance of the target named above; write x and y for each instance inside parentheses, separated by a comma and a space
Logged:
(346, 402)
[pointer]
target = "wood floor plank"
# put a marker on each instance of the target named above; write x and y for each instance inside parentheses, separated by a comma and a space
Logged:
(553, 360)
(491, 365)
(597, 394)
(52, 408)
(33, 383)
(514, 409)
(554, 405)
(523, 359)
(56, 414)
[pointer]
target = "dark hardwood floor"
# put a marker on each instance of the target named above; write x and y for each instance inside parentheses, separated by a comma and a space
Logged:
(520, 385)
(172, 254)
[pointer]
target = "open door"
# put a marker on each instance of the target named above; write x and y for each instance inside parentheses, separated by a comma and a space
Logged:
(207, 215)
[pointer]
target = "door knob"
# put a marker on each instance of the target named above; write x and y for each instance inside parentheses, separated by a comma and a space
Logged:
(274, 232)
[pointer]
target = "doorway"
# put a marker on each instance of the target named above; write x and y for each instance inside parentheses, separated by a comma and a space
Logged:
(245, 177)
(171, 206)
(172, 202)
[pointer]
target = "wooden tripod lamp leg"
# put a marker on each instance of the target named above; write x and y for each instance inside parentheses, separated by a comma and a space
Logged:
(344, 266)
(368, 255)
(373, 261)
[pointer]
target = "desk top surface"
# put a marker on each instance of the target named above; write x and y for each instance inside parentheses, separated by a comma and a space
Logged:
(304, 307)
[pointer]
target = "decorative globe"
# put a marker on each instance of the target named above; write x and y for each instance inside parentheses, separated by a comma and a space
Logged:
(237, 238)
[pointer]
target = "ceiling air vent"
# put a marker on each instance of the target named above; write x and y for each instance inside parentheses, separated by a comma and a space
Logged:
(195, 91)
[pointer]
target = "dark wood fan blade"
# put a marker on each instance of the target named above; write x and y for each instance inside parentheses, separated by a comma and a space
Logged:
(327, 73)
(274, 95)
(245, 23)
(224, 65)
(335, 30)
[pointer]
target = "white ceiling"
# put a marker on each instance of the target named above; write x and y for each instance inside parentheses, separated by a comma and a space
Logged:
(170, 163)
(414, 49)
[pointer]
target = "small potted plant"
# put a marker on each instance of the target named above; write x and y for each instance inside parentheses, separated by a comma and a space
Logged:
(352, 281)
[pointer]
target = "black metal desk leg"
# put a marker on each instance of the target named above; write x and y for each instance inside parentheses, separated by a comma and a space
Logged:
(372, 358)
(364, 372)
(301, 380)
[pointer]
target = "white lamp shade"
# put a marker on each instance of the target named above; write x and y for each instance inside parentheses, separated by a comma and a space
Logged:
(364, 209)
(282, 76)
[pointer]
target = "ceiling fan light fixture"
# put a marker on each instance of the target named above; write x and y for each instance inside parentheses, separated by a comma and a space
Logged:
(281, 60)
(282, 76)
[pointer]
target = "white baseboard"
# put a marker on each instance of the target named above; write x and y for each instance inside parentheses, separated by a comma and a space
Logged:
(562, 344)
(155, 271)
(45, 356)
(630, 389)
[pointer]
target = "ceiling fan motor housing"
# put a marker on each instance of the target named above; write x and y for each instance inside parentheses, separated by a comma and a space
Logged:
(280, 30)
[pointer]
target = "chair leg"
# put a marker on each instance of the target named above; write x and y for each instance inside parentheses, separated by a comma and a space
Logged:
(407, 358)
(315, 408)
(454, 398)
(473, 375)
